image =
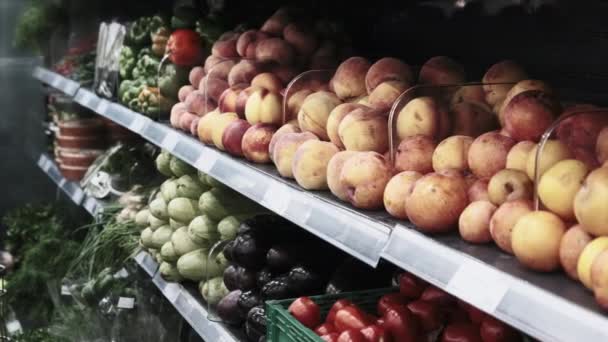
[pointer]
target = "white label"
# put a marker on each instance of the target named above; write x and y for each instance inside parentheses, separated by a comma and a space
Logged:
(102, 107)
(90, 204)
(170, 141)
(277, 197)
(65, 290)
(478, 285)
(126, 303)
(137, 124)
(13, 327)
(77, 196)
(206, 160)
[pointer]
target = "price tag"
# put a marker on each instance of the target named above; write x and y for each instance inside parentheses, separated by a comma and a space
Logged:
(206, 160)
(102, 107)
(126, 303)
(90, 205)
(170, 141)
(65, 290)
(137, 125)
(476, 284)
(78, 196)
(277, 197)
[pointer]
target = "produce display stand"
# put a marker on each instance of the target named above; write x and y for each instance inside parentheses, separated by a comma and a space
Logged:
(549, 307)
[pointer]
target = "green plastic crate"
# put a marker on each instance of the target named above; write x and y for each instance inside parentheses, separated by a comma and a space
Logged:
(283, 327)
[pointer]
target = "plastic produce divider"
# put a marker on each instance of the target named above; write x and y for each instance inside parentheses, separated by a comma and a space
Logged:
(298, 83)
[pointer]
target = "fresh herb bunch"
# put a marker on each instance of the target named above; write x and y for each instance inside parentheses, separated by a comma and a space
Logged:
(37, 22)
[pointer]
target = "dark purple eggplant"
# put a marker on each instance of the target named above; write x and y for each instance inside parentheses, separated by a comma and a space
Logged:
(228, 309)
(255, 326)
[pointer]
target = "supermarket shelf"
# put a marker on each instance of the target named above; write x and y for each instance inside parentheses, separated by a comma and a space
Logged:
(71, 189)
(550, 307)
(185, 303)
(57, 81)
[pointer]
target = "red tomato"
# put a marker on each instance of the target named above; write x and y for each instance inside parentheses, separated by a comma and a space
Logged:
(430, 316)
(433, 294)
(411, 286)
(185, 47)
(333, 337)
(306, 312)
(324, 329)
(375, 333)
(401, 325)
(390, 300)
(350, 317)
(351, 335)
(493, 330)
(339, 304)
(475, 315)
(461, 332)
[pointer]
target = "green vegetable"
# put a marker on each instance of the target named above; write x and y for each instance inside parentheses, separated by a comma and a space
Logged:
(180, 168)
(169, 272)
(195, 266)
(202, 177)
(213, 290)
(221, 202)
(188, 186)
(146, 237)
(222, 261)
(175, 225)
(146, 69)
(203, 230)
(228, 227)
(183, 209)
(167, 252)
(142, 218)
(169, 190)
(129, 91)
(182, 243)
(127, 62)
(158, 208)
(159, 38)
(161, 236)
(172, 78)
(214, 182)
(155, 222)
(163, 161)
(149, 102)
(139, 32)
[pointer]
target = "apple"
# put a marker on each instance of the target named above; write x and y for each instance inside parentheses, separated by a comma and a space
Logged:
(365, 176)
(590, 203)
(582, 129)
(559, 185)
(334, 168)
(517, 158)
(233, 136)
(528, 115)
(255, 142)
(474, 222)
(509, 185)
(504, 219)
(488, 154)
(553, 152)
(415, 153)
(502, 72)
(452, 153)
(571, 247)
(536, 238)
(396, 192)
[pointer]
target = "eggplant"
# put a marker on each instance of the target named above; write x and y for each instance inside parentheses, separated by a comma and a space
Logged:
(255, 326)
(281, 258)
(247, 300)
(278, 288)
(228, 308)
(264, 276)
(228, 249)
(250, 251)
(246, 279)
(231, 279)
(302, 280)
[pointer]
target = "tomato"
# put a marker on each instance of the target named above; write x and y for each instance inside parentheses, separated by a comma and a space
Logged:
(351, 335)
(429, 315)
(185, 48)
(461, 332)
(411, 286)
(401, 325)
(306, 312)
(475, 315)
(350, 317)
(324, 329)
(374, 333)
(433, 294)
(391, 300)
(333, 337)
(339, 304)
(493, 330)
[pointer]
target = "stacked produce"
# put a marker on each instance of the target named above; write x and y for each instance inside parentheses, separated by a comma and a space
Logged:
(78, 64)
(418, 312)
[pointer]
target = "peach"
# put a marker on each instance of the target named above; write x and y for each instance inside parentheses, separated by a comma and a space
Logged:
(436, 202)
(388, 69)
(504, 219)
(199, 104)
(529, 114)
(559, 185)
(509, 185)
(349, 79)
(243, 72)
(294, 102)
(227, 101)
(268, 81)
(441, 70)
(314, 113)
(335, 118)
(553, 152)
(274, 50)
(302, 40)
(522, 86)
(364, 176)
(452, 153)
(264, 106)
(255, 142)
(221, 69)
(185, 121)
(518, 155)
(212, 87)
(478, 191)
(473, 94)
(572, 245)
(334, 168)
(396, 192)
(601, 147)
(309, 165)
(423, 115)
(247, 42)
(194, 126)
(184, 91)
(195, 76)
(205, 127)
(536, 238)
(289, 127)
(219, 127)
(474, 222)
(364, 129)
(386, 93)
(276, 23)
(176, 111)
(285, 73)
(588, 257)
(241, 100)
(488, 154)
(233, 136)
(506, 71)
(211, 62)
(472, 119)
(285, 149)
(590, 203)
(225, 45)
(415, 153)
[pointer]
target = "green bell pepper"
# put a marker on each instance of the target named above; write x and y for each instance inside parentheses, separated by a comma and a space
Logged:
(147, 70)
(138, 33)
(129, 90)
(149, 101)
(171, 79)
(127, 62)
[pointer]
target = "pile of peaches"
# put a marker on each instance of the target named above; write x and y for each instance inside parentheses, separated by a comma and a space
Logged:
(465, 156)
